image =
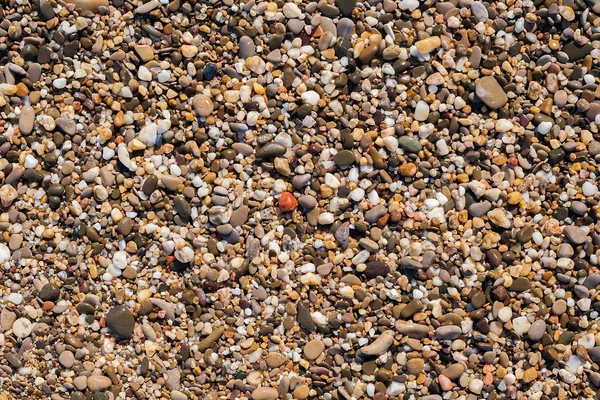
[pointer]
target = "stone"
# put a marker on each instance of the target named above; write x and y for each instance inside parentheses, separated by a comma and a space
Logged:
(536, 330)
(575, 234)
(344, 158)
(203, 105)
(66, 359)
(26, 120)
(49, 292)
(247, 47)
(22, 328)
(491, 93)
(380, 345)
(427, 45)
(313, 349)
(265, 393)
(98, 383)
(448, 332)
(345, 6)
(120, 320)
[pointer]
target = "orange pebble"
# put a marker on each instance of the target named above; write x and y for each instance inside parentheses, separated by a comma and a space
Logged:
(287, 202)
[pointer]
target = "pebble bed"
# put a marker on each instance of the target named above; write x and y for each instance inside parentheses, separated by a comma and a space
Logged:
(338, 200)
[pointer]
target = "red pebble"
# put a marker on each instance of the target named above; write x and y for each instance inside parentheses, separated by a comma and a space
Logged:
(287, 202)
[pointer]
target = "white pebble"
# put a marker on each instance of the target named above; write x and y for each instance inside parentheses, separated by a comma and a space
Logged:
(59, 83)
(421, 111)
(589, 189)
(311, 97)
(120, 259)
(144, 74)
(30, 161)
(325, 218)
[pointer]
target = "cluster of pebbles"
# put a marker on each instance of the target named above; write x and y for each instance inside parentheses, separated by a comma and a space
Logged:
(225, 199)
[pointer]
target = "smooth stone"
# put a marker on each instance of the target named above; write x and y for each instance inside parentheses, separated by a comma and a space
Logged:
(120, 320)
(89, 5)
(536, 330)
(213, 337)
(46, 11)
(520, 284)
(239, 216)
(202, 105)
(26, 119)
(410, 144)
(66, 125)
(559, 307)
(145, 8)
(344, 158)
(448, 332)
(478, 300)
(491, 93)
(145, 52)
(22, 328)
(415, 366)
(345, 6)
(453, 371)
(411, 329)
(307, 201)
(171, 182)
(247, 47)
(576, 52)
(575, 234)
(177, 395)
(183, 208)
(376, 268)
(594, 353)
(375, 213)
(304, 318)
(275, 359)
(98, 383)
(149, 185)
(313, 349)
(13, 360)
(380, 345)
(66, 359)
(479, 11)
(271, 150)
(480, 209)
(49, 292)
(243, 149)
(342, 235)
(264, 393)
(592, 281)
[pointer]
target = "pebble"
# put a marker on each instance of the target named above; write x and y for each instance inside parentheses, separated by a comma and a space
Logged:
(26, 119)
(536, 330)
(265, 393)
(202, 105)
(575, 234)
(313, 349)
(22, 328)
(98, 383)
(491, 93)
(120, 320)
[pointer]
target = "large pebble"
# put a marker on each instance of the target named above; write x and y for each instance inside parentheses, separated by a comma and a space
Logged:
(265, 393)
(26, 120)
(491, 93)
(203, 105)
(120, 320)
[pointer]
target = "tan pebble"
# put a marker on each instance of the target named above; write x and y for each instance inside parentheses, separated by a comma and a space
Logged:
(428, 45)
(97, 383)
(265, 393)
(301, 392)
(202, 105)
